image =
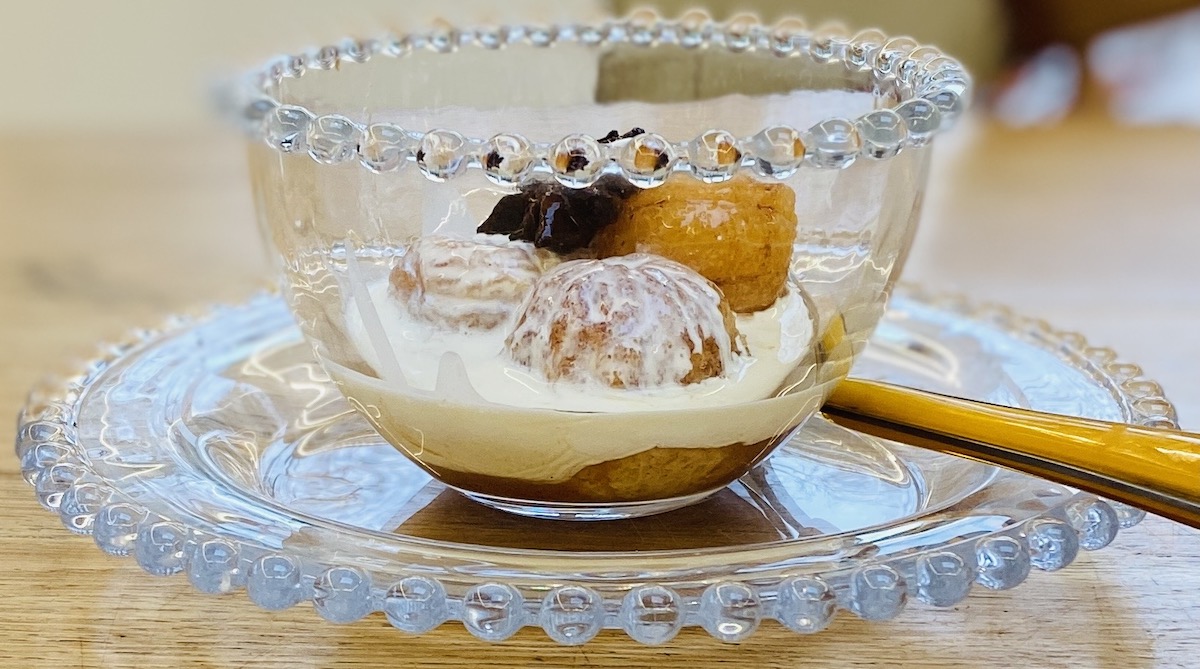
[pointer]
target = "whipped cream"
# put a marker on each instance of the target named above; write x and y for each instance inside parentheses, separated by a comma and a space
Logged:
(456, 400)
(471, 366)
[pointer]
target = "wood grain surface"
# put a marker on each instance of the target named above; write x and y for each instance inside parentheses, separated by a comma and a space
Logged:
(1090, 225)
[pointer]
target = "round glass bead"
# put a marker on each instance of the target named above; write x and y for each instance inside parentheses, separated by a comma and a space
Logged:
(1095, 521)
(1002, 563)
(214, 567)
(695, 28)
(806, 604)
(41, 457)
(513, 34)
(489, 38)
(777, 151)
(325, 58)
(730, 612)
(115, 529)
(647, 159)
(493, 611)
(882, 134)
(274, 582)
(359, 51)
(54, 482)
(295, 66)
(877, 592)
(333, 139)
(79, 505)
(956, 81)
(397, 46)
(507, 158)
(830, 43)
(342, 594)
(949, 103)
(1127, 516)
(739, 32)
(542, 36)
(644, 27)
(921, 118)
(159, 547)
(590, 35)
(416, 604)
(943, 579)
(36, 432)
(890, 55)
(572, 614)
(1052, 544)
(834, 143)
(860, 54)
(276, 71)
(384, 148)
(441, 154)
(577, 160)
(652, 614)
(787, 37)
(714, 156)
(443, 40)
(287, 128)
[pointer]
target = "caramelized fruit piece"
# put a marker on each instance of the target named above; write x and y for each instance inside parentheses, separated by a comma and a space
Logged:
(555, 217)
(738, 234)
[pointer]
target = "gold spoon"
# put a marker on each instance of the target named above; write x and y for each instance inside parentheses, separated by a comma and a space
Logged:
(1153, 469)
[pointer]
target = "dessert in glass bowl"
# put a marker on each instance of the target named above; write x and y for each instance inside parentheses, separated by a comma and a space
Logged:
(594, 271)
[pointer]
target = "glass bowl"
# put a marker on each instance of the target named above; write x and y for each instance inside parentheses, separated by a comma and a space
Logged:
(594, 271)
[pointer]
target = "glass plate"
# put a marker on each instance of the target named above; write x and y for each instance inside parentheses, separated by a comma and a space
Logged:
(218, 448)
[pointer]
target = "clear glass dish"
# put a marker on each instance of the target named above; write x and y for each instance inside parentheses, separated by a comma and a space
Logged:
(594, 271)
(220, 449)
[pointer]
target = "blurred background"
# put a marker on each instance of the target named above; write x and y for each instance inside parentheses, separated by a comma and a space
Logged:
(1072, 191)
(138, 63)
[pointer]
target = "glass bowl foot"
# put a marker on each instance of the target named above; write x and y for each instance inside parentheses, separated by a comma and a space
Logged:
(583, 511)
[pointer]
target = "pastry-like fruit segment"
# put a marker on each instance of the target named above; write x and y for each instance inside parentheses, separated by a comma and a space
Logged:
(738, 234)
(635, 321)
(456, 283)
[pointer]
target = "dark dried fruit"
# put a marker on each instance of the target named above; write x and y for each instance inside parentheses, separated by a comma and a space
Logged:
(614, 135)
(576, 163)
(507, 217)
(555, 217)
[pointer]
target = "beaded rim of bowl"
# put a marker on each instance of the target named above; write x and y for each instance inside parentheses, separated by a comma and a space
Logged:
(932, 89)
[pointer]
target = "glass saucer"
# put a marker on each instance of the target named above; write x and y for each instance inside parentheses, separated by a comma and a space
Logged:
(218, 448)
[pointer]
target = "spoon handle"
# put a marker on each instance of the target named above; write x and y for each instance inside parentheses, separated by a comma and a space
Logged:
(1153, 469)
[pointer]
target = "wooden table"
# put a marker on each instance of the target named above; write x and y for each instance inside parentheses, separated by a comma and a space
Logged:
(1089, 225)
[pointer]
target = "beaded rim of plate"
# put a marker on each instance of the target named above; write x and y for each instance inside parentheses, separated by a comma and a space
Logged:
(730, 608)
(933, 90)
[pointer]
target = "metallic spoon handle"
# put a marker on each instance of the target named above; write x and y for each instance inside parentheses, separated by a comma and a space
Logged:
(1153, 469)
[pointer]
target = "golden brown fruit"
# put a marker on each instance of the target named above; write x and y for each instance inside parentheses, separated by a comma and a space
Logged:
(738, 234)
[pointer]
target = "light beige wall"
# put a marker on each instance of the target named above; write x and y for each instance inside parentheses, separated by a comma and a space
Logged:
(79, 64)
(124, 63)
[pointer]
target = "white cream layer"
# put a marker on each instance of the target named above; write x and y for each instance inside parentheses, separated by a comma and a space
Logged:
(777, 338)
(463, 405)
